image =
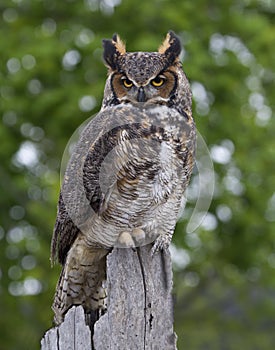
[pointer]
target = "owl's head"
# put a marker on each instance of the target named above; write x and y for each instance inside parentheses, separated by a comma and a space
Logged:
(152, 78)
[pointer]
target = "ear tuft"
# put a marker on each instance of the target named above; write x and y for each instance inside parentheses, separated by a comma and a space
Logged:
(171, 46)
(112, 50)
(119, 44)
(109, 53)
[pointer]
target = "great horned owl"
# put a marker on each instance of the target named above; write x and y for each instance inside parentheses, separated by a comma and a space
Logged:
(126, 178)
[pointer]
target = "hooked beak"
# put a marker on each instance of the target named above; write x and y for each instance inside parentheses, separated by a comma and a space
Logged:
(141, 95)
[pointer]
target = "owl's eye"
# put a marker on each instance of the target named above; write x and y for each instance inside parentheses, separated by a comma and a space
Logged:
(127, 82)
(158, 81)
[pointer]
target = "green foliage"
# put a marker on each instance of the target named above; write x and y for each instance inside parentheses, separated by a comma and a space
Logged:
(52, 79)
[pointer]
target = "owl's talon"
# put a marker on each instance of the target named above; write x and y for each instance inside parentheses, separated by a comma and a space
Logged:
(161, 243)
(138, 234)
(125, 240)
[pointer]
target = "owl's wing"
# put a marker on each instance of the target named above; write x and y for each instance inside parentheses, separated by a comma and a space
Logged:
(64, 234)
(85, 189)
(80, 194)
(72, 204)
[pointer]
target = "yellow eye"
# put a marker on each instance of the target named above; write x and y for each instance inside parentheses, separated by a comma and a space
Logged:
(158, 81)
(127, 83)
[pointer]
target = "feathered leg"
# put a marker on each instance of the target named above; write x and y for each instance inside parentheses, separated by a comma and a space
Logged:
(81, 280)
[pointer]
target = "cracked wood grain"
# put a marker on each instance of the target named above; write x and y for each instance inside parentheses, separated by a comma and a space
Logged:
(72, 334)
(140, 310)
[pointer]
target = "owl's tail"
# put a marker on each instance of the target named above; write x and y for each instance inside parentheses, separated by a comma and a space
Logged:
(81, 280)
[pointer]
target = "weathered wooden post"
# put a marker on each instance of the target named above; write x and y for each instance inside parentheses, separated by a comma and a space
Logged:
(140, 308)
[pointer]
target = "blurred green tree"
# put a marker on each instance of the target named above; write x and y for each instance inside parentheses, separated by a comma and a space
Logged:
(52, 79)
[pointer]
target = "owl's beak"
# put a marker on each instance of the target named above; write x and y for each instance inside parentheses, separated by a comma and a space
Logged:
(141, 95)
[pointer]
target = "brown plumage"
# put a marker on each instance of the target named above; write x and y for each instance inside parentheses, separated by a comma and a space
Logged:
(125, 181)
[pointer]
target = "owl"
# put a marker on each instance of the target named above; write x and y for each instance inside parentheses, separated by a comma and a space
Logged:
(125, 181)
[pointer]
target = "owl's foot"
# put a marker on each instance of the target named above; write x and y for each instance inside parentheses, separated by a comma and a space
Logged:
(161, 243)
(125, 240)
(138, 235)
